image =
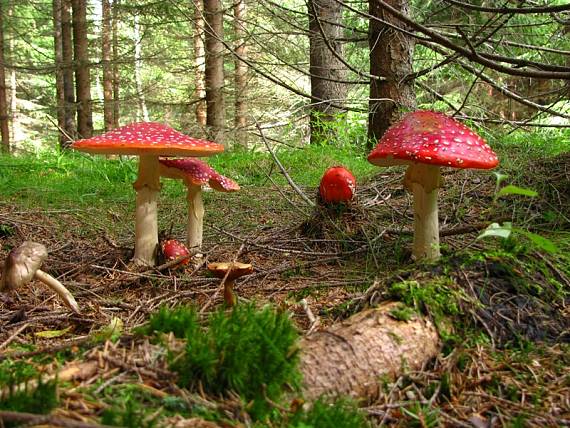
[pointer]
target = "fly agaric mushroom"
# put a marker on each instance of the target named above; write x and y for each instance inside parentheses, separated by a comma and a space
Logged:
(195, 173)
(231, 271)
(172, 250)
(337, 185)
(23, 264)
(148, 140)
(426, 141)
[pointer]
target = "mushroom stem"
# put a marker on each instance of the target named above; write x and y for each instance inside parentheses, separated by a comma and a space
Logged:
(230, 298)
(424, 181)
(195, 218)
(58, 287)
(147, 187)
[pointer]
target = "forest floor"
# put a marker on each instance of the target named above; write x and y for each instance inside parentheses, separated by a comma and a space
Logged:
(502, 306)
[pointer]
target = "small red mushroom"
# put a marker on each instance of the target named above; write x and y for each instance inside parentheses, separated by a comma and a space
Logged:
(337, 185)
(426, 141)
(173, 250)
(148, 140)
(195, 173)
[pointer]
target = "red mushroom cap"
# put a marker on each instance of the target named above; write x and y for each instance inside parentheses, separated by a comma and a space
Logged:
(173, 249)
(337, 185)
(432, 138)
(150, 138)
(199, 172)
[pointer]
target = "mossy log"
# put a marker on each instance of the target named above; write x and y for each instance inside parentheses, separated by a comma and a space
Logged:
(352, 357)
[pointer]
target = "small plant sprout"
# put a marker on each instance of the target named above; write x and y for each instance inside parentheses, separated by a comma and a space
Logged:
(427, 141)
(230, 271)
(148, 140)
(337, 186)
(22, 265)
(195, 173)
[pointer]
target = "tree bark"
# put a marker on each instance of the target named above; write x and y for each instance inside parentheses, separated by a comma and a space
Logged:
(4, 118)
(106, 55)
(328, 72)
(116, 77)
(142, 113)
(391, 55)
(352, 357)
(214, 33)
(82, 72)
(199, 63)
(12, 98)
(67, 64)
(240, 76)
(58, 53)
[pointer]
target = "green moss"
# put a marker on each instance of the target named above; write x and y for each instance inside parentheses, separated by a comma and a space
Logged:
(248, 351)
(323, 414)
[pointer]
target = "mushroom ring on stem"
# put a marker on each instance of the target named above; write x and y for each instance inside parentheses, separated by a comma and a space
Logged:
(195, 173)
(426, 141)
(148, 140)
(230, 271)
(23, 264)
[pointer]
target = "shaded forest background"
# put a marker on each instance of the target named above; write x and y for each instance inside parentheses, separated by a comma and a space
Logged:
(302, 71)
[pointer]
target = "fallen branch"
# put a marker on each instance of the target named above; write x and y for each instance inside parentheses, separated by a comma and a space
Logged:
(32, 419)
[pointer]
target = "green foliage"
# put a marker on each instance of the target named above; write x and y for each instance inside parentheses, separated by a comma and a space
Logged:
(182, 321)
(129, 414)
(34, 397)
(436, 296)
(249, 351)
(340, 414)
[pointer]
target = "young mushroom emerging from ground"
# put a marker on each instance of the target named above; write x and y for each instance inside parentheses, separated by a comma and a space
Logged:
(231, 271)
(426, 141)
(148, 140)
(174, 250)
(195, 173)
(22, 265)
(337, 186)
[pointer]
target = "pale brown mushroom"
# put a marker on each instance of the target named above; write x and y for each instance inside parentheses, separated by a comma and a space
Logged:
(231, 271)
(23, 264)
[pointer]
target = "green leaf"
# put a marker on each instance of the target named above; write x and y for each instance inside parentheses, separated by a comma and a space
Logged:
(49, 334)
(540, 241)
(515, 190)
(495, 229)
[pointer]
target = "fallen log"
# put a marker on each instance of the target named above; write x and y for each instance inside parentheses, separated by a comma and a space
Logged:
(352, 357)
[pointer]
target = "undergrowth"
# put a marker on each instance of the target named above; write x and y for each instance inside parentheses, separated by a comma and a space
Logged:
(248, 351)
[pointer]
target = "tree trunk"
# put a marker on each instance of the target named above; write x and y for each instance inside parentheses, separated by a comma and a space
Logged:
(214, 33)
(352, 357)
(199, 63)
(391, 54)
(12, 104)
(58, 52)
(106, 55)
(240, 77)
(116, 77)
(4, 118)
(82, 74)
(142, 113)
(327, 71)
(67, 64)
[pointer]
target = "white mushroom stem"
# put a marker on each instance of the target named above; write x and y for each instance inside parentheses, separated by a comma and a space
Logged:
(58, 287)
(424, 181)
(195, 218)
(147, 187)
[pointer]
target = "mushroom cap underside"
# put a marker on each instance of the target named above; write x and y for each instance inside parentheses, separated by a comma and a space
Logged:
(432, 138)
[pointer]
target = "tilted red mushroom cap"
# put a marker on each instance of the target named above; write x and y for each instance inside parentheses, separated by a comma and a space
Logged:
(173, 249)
(150, 138)
(337, 185)
(432, 138)
(199, 172)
